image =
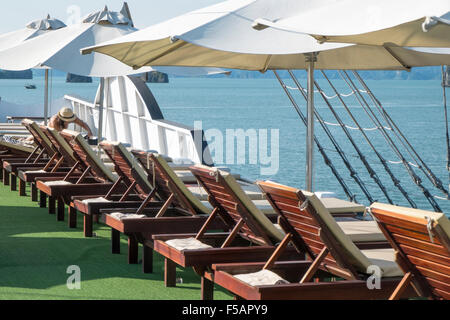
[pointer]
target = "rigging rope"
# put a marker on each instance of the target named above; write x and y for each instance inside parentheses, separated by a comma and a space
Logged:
(353, 173)
(444, 95)
(403, 140)
(362, 157)
(326, 159)
(394, 179)
(352, 128)
(416, 179)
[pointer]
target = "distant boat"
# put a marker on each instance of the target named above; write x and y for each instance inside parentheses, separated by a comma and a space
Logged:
(30, 86)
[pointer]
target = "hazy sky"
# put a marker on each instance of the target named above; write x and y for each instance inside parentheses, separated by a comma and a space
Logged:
(17, 13)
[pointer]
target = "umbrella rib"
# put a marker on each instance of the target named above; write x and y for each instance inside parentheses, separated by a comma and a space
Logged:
(267, 63)
(176, 46)
(389, 50)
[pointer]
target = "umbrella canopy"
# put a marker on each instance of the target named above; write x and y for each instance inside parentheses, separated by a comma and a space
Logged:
(32, 30)
(222, 35)
(60, 49)
(375, 22)
(228, 35)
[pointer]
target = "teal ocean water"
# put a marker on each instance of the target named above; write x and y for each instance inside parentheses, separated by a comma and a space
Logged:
(225, 103)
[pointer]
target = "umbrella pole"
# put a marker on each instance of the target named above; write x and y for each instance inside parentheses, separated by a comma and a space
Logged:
(46, 98)
(100, 109)
(310, 59)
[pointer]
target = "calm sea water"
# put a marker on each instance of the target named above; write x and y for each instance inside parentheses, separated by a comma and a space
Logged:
(225, 103)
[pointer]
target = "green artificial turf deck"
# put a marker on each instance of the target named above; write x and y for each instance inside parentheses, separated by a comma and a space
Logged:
(36, 250)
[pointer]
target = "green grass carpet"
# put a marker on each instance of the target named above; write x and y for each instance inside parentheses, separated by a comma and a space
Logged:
(36, 250)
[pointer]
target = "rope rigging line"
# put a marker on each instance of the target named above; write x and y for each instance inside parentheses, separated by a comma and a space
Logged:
(350, 127)
(447, 136)
(404, 141)
(323, 93)
(326, 159)
(415, 178)
(386, 167)
(353, 172)
(362, 157)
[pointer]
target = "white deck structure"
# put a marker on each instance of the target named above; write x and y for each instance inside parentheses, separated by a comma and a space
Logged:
(131, 115)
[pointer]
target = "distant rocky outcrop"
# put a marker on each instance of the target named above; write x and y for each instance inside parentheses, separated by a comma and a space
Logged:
(74, 78)
(27, 74)
(156, 77)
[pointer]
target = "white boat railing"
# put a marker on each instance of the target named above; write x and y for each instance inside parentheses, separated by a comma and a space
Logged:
(131, 115)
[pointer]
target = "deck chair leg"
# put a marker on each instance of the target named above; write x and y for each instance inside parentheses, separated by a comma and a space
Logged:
(34, 192)
(42, 199)
(13, 182)
(115, 241)
(207, 289)
(1, 173)
(61, 209)
(406, 280)
(315, 265)
(51, 205)
(5, 177)
(147, 259)
(170, 273)
(133, 247)
(72, 217)
(87, 225)
(96, 218)
(22, 188)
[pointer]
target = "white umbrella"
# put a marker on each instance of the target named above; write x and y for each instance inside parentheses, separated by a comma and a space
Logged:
(60, 49)
(32, 30)
(409, 23)
(225, 35)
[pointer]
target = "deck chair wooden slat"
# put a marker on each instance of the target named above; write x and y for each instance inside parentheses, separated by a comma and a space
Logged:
(421, 240)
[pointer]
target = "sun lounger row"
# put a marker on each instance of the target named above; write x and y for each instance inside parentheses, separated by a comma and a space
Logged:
(300, 250)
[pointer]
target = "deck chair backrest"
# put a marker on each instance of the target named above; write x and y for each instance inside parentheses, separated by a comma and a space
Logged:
(85, 154)
(161, 175)
(226, 194)
(39, 137)
(60, 145)
(127, 166)
(306, 215)
(422, 241)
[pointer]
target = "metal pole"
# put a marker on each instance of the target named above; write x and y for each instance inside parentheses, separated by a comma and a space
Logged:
(46, 98)
(310, 59)
(100, 109)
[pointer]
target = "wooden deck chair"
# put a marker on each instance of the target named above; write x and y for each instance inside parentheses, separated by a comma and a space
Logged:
(251, 235)
(37, 159)
(10, 150)
(421, 240)
(166, 205)
(310, 227)
(137, 193)
(58, 166)
(95, 177)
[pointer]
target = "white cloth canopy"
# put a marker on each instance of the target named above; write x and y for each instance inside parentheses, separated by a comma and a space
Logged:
(401, 22)
(32, 30)
(107, 16)
(60, 49)
(222, 36)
